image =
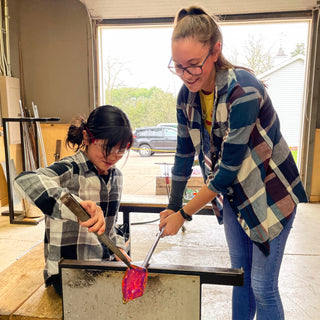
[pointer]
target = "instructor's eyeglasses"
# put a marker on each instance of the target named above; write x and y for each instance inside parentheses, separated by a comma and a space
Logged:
(192, 70)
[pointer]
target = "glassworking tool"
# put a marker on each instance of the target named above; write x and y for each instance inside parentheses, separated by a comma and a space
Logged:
(135, 279)
(73, 205)
(153, 247)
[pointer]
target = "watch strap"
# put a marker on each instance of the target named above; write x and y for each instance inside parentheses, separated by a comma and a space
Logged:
(184, 215)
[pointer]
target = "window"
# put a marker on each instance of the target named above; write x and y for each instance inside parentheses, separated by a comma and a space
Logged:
(156, 132)
(135, 77)
(170, 133)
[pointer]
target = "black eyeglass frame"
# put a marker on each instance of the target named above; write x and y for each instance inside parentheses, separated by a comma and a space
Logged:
(172, 68)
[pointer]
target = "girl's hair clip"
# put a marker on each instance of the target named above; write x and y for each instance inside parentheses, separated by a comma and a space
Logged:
(92, 138)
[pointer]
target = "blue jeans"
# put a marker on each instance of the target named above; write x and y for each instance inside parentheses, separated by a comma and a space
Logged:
(260, 292)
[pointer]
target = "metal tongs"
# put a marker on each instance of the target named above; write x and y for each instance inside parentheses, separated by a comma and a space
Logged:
(151, 250)
(83, 215)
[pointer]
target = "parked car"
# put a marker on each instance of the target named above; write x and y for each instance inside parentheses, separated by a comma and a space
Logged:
(148, 140)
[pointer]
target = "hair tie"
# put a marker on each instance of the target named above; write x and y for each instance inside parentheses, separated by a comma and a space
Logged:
(92, 138)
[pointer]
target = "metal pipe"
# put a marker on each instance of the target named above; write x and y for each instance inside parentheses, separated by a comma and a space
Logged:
(153, 247)
(7, 157)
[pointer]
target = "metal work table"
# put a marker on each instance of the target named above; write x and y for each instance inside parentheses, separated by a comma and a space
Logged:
(93, 290)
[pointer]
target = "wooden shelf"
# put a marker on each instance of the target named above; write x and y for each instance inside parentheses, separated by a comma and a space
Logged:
(315, 180)
(194, 183)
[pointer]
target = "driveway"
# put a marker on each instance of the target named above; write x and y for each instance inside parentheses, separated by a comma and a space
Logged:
(139, 173)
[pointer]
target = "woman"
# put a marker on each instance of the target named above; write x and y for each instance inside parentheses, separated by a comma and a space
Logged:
(91, 177)
(226, 117)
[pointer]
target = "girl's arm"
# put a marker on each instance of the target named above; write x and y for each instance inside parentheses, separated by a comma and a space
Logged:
(111, 215)
(44, 188)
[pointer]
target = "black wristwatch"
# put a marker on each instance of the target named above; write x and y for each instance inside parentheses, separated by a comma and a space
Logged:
(184, 215)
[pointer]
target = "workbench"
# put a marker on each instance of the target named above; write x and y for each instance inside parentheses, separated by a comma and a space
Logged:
(147, 204)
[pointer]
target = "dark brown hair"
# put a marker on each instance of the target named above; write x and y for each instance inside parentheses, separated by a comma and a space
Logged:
(108, 123)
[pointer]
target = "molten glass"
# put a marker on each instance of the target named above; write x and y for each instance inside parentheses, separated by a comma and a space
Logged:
(134, 283)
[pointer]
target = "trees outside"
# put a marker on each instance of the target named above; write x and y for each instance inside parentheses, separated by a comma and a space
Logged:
(148, 107)
(145, 107)
(257, 57)
(111, 77)
(299, 49)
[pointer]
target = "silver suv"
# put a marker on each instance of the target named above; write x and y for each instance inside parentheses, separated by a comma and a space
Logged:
(148, 140)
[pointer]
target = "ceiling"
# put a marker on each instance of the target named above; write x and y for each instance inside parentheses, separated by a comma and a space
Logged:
(133, 9)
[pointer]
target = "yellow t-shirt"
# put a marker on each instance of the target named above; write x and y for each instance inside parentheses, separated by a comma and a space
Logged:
(207, 108)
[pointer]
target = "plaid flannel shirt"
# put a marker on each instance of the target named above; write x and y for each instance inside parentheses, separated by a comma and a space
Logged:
(64, 237)
(245, 159)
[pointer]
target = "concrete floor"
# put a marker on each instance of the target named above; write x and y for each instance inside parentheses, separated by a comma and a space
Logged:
(203, 244)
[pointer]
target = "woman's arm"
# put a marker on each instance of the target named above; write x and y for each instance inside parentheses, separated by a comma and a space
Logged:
(173, 221)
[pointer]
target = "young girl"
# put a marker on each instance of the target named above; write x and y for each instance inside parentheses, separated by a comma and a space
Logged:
(91, 177)
(226, 116)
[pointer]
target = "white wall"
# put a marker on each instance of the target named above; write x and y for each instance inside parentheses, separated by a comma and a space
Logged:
(56, 63)
(286, 88)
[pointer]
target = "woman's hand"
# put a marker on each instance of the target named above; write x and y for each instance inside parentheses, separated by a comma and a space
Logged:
(172, 221)
(125, 254)
(165, 213)
(96, 223)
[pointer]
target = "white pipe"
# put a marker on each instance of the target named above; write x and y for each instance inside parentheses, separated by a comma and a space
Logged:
(6, 20)
(2, 63)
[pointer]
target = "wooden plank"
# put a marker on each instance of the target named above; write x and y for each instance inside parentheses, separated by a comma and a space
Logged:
(20, 280)
(315, 180)
(144, 200)
(51, 133)
(3, 188)
(9, 98)
(194, 183)
(44, 304)
(40, 138)
(23, 295)
(13, 174)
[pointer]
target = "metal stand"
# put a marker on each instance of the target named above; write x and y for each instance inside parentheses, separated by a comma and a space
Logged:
(18, 217)
(172, 291)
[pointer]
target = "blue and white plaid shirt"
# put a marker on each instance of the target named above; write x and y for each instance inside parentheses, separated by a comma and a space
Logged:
(64, 237)
(245, 158)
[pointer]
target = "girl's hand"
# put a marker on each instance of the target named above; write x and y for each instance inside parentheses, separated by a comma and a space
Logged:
(172, 221)
(125, 254)
(96, 223)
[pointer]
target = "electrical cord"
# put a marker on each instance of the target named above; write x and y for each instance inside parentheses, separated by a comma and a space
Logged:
(144, 222)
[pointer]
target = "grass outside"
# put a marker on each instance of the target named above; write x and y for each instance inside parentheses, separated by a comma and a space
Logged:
(295, 155)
